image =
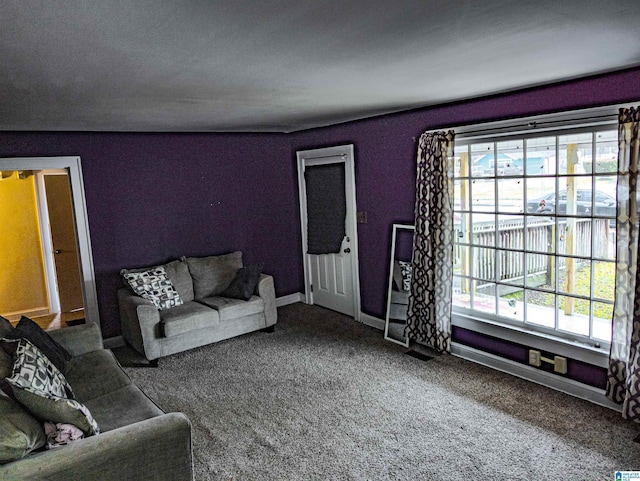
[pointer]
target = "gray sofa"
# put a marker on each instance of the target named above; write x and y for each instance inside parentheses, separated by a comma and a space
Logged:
(209, 311)
(137, 439)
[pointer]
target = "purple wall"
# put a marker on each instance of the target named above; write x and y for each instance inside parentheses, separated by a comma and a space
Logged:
(152, 198)
(576, 370)
(385, 153)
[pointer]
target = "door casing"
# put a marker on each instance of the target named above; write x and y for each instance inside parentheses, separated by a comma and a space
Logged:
(328, 155)
(72, 166)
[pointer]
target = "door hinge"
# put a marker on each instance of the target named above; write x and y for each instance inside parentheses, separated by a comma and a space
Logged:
(311, 287)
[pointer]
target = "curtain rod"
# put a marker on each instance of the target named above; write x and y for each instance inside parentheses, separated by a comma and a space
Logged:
(580, 117)
(541, 124)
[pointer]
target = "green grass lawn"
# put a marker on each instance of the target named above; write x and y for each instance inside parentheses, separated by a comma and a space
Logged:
(604, 282)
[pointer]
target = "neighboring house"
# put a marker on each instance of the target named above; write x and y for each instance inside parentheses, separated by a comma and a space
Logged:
(486, 165)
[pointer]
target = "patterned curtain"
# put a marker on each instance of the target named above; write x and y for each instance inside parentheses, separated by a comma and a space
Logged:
(623, 384)
(429, 312)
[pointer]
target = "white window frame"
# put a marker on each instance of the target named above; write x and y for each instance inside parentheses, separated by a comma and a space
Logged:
(553, 124)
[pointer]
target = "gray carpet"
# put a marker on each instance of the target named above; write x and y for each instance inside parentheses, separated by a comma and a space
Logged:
(326, 398)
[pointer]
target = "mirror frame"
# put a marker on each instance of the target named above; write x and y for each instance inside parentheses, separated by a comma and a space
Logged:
(392, 258)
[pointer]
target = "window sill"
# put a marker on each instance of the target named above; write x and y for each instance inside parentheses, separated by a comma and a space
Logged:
(544, 342)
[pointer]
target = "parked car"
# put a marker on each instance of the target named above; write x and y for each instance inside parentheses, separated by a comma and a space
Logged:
(605, 205)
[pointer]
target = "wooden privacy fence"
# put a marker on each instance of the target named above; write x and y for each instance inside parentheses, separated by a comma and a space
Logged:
(541, 237)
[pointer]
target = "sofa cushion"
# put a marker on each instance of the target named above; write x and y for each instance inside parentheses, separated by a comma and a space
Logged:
(155, 286)
(6, 364)
(30, 330)
(58, 410)
(244, 283)
(212, 275)
(230, 309)
(86, 385)
(20, 432)
(5, 326)
(187, 317)
(177, 271)
(122, 407)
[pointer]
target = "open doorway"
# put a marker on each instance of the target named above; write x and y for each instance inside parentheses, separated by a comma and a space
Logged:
(45, 250)
(40, 248)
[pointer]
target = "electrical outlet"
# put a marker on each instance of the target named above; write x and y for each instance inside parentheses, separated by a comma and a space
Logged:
(534, 358)
(560, 364)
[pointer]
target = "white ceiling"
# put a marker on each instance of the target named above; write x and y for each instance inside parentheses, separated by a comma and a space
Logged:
(286, 65)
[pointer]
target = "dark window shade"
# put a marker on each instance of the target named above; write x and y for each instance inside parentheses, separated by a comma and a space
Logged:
(326, 208)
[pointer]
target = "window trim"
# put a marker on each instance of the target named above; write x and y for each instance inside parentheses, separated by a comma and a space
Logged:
(537, 124)
(526, 127)
(571, 349)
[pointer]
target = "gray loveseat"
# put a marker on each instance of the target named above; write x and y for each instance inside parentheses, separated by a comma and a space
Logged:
(212, 305)
(137, 439)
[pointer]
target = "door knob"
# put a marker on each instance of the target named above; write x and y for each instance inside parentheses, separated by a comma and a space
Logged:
(347, 250)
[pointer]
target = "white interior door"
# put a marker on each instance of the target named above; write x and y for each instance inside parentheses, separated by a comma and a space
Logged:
(64, 242)
(332, 280)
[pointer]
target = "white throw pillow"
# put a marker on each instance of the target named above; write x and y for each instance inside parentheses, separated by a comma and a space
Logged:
(155, 286)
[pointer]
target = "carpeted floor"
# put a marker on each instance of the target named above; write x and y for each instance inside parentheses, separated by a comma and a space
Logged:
(326, 398)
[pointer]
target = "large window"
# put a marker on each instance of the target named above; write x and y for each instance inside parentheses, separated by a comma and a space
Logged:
(535, 231)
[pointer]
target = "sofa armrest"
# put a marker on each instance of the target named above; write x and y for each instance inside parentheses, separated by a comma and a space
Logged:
(158, 448)
(78, 340)
(266, 290)
(140, 323)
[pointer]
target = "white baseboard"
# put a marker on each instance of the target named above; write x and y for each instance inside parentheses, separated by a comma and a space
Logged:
(30, 313)
(372, 321)
(290, 299)
(567, 386)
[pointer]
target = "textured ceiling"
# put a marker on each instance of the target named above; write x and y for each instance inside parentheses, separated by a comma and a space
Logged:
(285, 65)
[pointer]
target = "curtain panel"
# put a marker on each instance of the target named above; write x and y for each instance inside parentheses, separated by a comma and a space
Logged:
(623, 383)
(430, 296)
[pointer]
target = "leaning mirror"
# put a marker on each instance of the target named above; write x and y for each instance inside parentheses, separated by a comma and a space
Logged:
(399, 283)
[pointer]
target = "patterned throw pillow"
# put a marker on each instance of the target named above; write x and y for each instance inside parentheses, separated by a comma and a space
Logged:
(32, 370)
(43, 390)
(155, 286)
(407, 271)
(28, 329)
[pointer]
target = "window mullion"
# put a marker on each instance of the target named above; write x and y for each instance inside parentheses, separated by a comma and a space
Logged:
(496, 237)
(471, 249)
(556, 240)
(594, 168)
(523, 265)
